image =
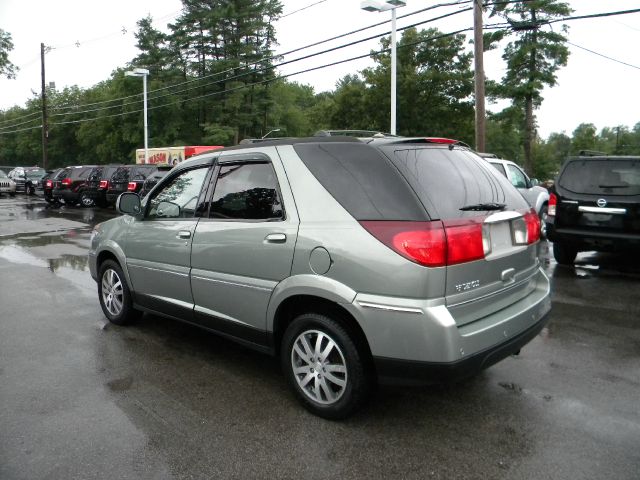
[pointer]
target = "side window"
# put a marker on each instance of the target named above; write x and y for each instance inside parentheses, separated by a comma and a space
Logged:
(500, 168)
(178, 198)
(247, 191)
(516, 177)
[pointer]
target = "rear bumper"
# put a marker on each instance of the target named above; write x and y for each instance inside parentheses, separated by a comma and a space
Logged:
(402, 372)
(600, 240)
(419, 342)
(66, 195)
(112, 197)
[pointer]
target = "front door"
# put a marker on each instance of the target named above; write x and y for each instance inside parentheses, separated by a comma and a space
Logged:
(158, 247)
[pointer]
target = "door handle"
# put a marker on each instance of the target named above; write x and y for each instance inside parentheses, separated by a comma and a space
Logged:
(276, 238)
(184, 234)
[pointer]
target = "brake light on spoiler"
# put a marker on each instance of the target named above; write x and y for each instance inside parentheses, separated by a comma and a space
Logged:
(449, 242)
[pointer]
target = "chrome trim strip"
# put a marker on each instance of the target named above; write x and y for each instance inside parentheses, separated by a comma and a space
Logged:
(502, 216)
(135, 265)
(613, 211)
(216, 314)
(572, 202)
(215, 280)
(390, 308)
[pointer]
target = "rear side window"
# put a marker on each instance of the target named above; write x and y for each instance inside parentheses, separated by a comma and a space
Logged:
(246, 191)
(500, 168)
(448, 180)
(610, 176)
(362, 180)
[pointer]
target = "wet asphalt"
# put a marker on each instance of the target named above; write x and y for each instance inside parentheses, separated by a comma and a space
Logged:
(83, 399)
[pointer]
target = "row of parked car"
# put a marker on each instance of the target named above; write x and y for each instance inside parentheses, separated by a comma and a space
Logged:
(85, 185)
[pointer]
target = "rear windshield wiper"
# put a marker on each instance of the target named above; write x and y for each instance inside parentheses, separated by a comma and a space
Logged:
(484, 206)
(613, 186)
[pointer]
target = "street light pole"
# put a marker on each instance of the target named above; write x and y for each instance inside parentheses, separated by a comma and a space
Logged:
(375, 6)
(143, 72)
(393, 71)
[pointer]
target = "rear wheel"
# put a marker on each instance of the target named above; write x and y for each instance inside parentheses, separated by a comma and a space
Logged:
(324, 367)
(114, 294)
(86, 200)
(564, 254)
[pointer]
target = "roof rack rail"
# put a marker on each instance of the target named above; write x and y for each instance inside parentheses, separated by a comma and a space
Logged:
(591, 153)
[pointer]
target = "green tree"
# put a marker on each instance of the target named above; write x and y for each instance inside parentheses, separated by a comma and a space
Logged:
(533, 57)
(435, 83)
(584, 138)
(7, 68)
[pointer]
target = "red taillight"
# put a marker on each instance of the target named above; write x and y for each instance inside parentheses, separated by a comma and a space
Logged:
(132, 186)
(533, 226)
(465, 241)
(553, 201)
(104, 184)
(66, 182)
(48, 184)
(432, 244)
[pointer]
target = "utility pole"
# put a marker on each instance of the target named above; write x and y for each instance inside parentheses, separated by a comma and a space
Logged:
(478, 52)
(45, 127)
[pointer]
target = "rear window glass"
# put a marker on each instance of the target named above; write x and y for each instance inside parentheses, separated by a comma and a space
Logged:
(362, 180)
(611, 176)
(448, 180)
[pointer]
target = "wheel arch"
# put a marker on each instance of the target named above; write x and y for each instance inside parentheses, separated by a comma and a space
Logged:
(297, 304)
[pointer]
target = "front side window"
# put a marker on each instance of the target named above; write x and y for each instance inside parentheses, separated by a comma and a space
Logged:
(179, 197)
(516, 177)
(246, 191)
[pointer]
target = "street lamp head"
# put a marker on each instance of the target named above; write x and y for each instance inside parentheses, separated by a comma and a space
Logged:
(137, 72)
(378, 6)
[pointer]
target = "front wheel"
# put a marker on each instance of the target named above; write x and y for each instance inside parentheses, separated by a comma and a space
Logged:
(564, 254)
(324, 367)
(114, 294)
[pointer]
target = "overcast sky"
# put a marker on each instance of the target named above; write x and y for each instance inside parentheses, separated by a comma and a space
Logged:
(91, 38)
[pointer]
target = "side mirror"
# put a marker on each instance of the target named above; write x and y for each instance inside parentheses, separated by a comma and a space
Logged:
(535, 182)
(129, 203)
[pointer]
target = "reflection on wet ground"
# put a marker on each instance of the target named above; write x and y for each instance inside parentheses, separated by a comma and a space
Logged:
(35, 233)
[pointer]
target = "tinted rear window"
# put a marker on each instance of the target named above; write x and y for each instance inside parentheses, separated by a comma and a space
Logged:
(362, 180)
(447, 180)
(610, 176)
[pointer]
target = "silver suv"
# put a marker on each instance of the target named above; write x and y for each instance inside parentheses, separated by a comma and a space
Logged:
(353, 261)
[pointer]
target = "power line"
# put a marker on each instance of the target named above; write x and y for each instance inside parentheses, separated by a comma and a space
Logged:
(253, 72)
(604, 56)
(19, 117)
(278, 77)
(301, 9)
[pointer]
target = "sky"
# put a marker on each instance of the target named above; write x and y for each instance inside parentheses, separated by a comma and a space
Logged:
(89, 39)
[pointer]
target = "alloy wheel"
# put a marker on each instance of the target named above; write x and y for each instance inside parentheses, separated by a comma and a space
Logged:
(112, 292)
(319, 367)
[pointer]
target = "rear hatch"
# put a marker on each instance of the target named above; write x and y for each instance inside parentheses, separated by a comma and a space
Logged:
(599, 195)
(120, 180)
(490, 230)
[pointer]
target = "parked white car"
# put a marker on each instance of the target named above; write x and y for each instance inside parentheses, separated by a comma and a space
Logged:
(536, 195)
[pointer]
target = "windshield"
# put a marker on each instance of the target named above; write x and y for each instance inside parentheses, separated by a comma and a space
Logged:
(36, 173)
(610, 176)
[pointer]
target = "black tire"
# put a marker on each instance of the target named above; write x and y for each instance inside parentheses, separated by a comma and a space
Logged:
(110, 275)
(564, 254)
(356, 379)
(86, 201)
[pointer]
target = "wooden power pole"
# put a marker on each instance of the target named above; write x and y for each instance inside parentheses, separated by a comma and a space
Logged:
(45, 127)
(478, 52)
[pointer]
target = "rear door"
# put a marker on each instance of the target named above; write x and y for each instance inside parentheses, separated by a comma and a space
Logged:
(599, 194)
(460, 189)
(245, 246)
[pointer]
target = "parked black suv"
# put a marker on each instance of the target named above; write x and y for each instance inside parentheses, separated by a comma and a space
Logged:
(98, 183)
(154, 178)
(595, 205)
(70, 186)
(127, 178)
(48, 182)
